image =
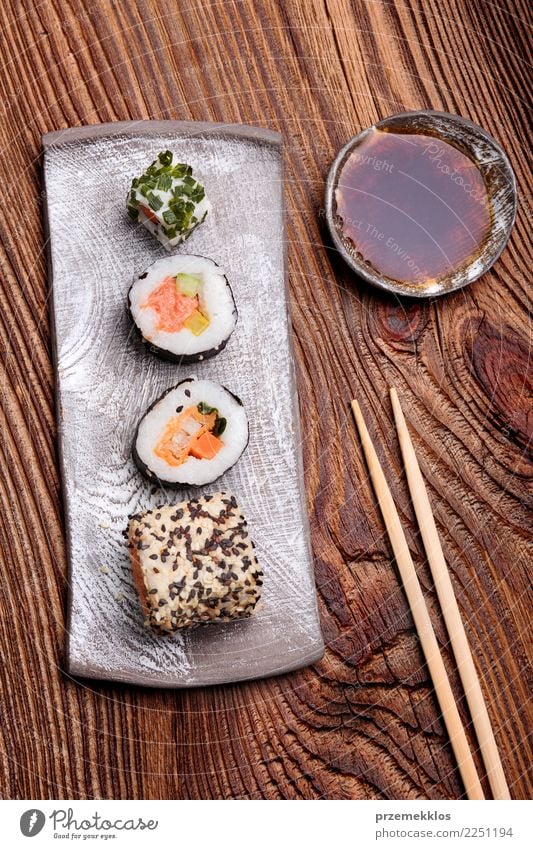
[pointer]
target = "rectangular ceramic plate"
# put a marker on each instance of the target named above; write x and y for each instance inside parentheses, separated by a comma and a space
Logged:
(105, 381)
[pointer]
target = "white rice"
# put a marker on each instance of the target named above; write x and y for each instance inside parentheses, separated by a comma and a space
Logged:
(202, 209)
(215, 301)
(193, 471)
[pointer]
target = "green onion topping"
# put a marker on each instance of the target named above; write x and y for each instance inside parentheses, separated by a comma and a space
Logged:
(150, 188)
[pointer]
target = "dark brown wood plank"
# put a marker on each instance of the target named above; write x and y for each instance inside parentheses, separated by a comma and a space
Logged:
(364, 722)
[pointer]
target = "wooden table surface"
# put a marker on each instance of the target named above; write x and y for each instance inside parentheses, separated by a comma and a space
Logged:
(363, 722)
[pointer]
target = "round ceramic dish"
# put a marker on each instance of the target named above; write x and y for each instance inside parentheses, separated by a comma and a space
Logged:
(499, 180)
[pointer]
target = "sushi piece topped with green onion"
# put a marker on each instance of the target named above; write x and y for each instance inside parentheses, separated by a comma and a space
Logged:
(168, 200)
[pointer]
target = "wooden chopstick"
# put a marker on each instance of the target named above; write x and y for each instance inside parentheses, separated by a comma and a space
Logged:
(420, 615)
(450, 608)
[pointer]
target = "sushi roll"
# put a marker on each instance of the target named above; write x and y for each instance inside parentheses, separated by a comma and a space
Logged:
(194, 563)
(167, 200)
(183, 308)
(191, 435)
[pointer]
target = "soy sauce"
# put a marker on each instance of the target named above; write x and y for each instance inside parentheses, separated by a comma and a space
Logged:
(412, 206)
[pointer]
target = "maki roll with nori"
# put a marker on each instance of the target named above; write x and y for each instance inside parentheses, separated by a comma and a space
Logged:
(167, 200)
(191, 435)
(183, 307)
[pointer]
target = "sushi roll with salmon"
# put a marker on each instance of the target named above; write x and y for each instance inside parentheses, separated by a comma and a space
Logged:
(183, 307)
(167, 200)
(191, 435)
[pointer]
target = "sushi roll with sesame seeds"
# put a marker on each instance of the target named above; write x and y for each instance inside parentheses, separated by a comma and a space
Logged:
(194, 563)
(168, 200)
(191, 435)
(183, 307)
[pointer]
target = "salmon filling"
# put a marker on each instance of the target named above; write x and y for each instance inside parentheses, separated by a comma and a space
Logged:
(149, 214)
(191, 434)
(171, 306)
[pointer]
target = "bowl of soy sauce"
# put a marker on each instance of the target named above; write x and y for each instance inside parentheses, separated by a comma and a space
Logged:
(421, 203)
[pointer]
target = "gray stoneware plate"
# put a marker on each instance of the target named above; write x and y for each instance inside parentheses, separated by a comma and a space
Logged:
(499, 178)
(105, 381)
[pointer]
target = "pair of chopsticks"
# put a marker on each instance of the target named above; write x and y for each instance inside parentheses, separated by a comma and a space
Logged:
(449, 607)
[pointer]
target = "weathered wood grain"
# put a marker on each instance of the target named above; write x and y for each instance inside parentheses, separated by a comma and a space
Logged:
(364, 722)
